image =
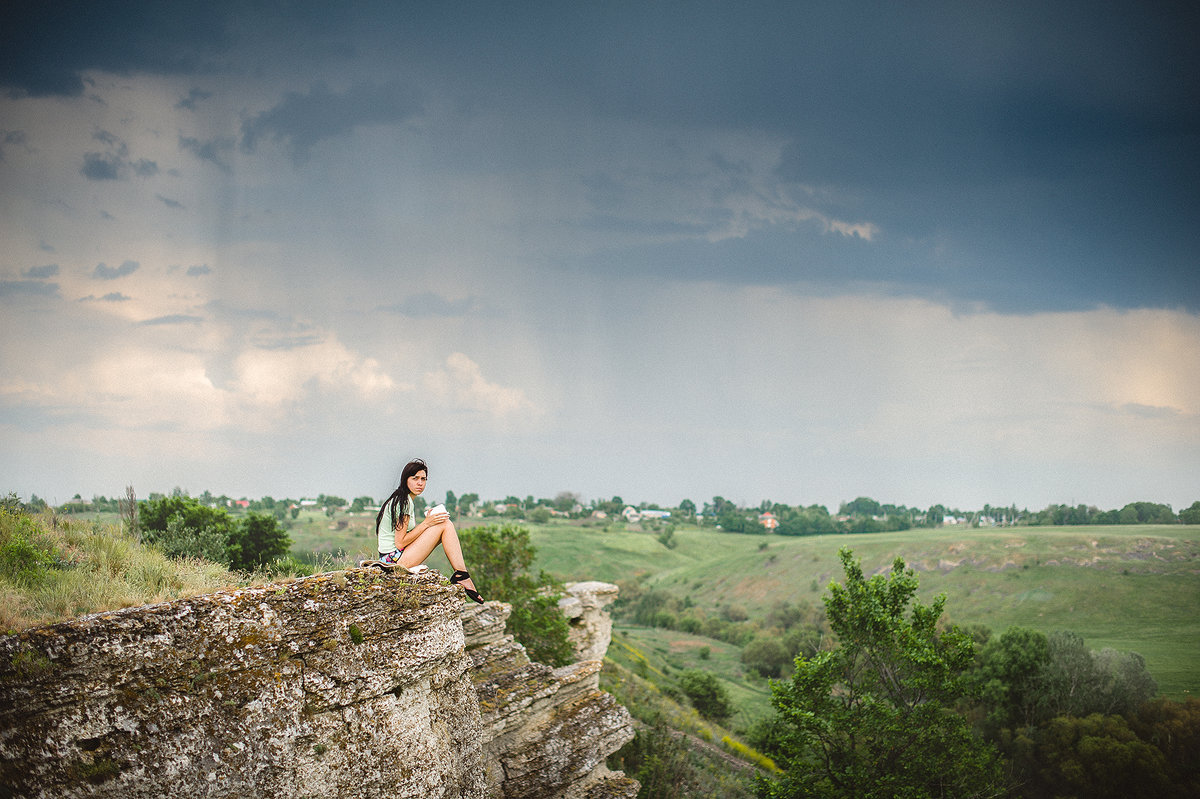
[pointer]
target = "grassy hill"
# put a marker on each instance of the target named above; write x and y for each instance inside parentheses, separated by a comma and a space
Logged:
(1133, 588)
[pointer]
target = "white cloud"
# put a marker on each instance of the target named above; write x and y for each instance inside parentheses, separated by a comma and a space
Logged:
(460, 385)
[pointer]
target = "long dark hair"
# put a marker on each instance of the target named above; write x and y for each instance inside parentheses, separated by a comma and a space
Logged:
(394, 504)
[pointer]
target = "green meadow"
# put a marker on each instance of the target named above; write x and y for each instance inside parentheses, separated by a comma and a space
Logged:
(1133, 588)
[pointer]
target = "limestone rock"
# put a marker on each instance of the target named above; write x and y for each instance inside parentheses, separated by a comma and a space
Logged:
(346, 684)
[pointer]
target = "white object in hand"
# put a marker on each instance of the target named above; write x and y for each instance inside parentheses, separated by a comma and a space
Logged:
(439, 508)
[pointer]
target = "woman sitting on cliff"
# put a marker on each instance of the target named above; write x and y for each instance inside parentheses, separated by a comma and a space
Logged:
(404, 542)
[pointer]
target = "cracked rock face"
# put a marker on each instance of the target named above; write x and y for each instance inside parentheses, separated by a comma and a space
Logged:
(345, 684)
(547, 732)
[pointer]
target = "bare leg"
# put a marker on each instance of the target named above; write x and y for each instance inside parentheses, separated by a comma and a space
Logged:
(445, 534)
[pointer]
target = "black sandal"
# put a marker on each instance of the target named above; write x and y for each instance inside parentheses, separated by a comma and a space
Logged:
(460, 575)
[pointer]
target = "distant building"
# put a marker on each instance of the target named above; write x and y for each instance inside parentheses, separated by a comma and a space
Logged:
(768, 520)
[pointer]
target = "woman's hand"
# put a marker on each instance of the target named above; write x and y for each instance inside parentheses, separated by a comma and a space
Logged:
(432, 519)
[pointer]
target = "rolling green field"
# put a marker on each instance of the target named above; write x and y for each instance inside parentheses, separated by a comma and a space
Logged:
(1132, 588)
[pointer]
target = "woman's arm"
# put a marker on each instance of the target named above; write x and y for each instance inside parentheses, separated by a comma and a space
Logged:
(403, 539)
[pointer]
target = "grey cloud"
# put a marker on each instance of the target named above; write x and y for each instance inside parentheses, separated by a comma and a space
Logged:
(1149, 411)
(49, 270)
(428, 304)
(105, 272)
(27, 288)
(114, 163)
(171, 319)
(213, 151)
(8, 137)
(220, 309)
(194, 96)
(44, 247)
(100, 166)
(198, 270)
(303, 120)
(112, 296)
(269, 341)
(167, 201)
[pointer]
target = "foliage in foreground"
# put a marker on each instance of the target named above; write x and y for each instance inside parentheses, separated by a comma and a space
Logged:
(52, 568)
(500, 559)
(874, 717)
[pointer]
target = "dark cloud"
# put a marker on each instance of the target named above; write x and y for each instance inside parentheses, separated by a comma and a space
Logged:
(167, 201)
(194, 96)
(198, 270)
(27, 288)
(303, 120)
(105, 272)
(213, 150)
(48, 45)
(114, 163)
(101, 166)
(38, 272)
(428, 304)
(171, 319)
(112, 296)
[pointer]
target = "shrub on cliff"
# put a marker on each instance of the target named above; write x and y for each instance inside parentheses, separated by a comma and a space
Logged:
(501, 558)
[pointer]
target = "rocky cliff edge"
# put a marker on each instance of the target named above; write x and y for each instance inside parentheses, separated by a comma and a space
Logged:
(347, 684)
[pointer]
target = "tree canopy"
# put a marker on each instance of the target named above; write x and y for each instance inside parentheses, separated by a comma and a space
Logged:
(873, 717)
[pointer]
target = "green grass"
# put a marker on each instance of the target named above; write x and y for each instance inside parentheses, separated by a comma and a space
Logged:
(1133, 588)
(667, 653)
(85, 567)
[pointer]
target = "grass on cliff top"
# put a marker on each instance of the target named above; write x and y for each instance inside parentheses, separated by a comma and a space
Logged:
(54, 568)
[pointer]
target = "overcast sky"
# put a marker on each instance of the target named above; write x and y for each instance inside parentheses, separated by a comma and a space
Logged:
(926, 253)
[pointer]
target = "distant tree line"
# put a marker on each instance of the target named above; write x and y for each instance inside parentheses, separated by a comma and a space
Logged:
(860, 515)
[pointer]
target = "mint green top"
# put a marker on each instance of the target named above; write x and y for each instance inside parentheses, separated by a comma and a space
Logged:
(387, 533)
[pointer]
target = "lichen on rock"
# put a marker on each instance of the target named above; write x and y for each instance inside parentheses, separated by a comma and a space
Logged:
(346, 684)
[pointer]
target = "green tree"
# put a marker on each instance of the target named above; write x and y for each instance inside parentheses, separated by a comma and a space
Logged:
(1011, 675)
(862, 506)
(467, 502)
(687, 508)
(1191, 514)
(256, 540)
(501, 559)
(706, 694)
(1098, 757)
(155, 514)
(872, 718)
(767, 655)
(181, 541)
